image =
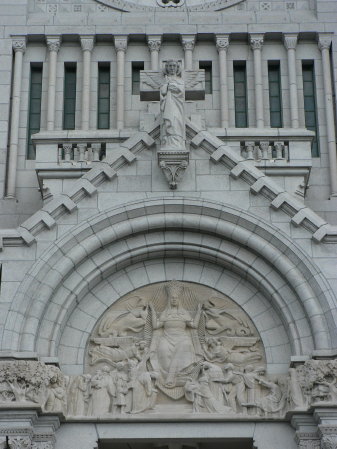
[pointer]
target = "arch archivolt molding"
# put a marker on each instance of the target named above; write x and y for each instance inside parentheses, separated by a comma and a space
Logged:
(171, 228)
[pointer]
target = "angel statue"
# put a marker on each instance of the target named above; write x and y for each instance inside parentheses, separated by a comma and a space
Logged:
(172, 98)
(175, 350)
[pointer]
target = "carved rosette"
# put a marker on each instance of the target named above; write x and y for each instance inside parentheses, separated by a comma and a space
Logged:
(256, 41)
(53, 43)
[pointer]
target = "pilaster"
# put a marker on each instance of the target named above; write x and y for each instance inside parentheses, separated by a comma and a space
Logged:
(121, 43)
(256, 43)
(222, 44)
(188, 43)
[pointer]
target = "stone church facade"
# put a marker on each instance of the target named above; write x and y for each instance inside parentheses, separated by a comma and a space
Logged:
(168, 224)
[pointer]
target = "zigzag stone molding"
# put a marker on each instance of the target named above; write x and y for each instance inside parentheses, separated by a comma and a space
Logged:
(260, 184)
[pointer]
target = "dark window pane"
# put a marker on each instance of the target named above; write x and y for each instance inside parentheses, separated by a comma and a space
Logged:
(69, 96)
(275, 101)
(240, 95)
(34, 113)
(310, 108)
(207, 66)
(103, 98)
(136, 67)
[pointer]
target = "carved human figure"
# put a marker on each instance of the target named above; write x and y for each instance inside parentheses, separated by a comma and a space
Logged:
(78, 395)
(121, 388)
(56, 396)
(202, 397)
(172, 97)
(295, 395)
(173, 347)
(215, 377)
(215, 351)
(102, 389)
(235, 387)
(274, 400)
(143, 392)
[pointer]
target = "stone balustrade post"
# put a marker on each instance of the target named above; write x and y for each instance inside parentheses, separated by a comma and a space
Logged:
(249, 150)
(154, 44)
(324, 44)
(290, 42)
(256, 42)
(53, 45)
(188, 43)
(264, 146)
(222, 43)
(87, 44)
(121, 43)
(19, 47)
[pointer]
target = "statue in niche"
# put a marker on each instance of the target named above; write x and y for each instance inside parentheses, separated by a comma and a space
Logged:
(172, 98)
(175, 348)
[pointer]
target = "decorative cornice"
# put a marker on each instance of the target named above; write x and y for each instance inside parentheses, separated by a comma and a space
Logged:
(222, 42)
(121, 43)
(256, 41)
(53, 43)
(19, 44)
(87, 43)
(188, 42)
(290, 41)
(154, 43)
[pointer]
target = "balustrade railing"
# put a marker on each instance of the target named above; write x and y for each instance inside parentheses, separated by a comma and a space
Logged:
(80, 152)
(265, 150)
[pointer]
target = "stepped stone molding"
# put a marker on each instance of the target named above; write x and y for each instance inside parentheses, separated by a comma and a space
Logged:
(70, 258)
(260, 184)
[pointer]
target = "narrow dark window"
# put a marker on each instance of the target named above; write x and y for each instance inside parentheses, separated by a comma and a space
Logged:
(137, 66)
(207, 66)
(240, 94)
(103, 97)
(34, 112)
(69, 96)
(275, 101)
(310, 108)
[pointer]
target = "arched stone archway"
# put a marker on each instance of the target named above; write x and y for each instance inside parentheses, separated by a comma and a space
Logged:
(170, 228)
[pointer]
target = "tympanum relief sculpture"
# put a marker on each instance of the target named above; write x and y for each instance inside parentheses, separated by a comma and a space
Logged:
(168, 350)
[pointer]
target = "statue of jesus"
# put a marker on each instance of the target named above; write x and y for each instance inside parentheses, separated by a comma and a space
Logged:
(172, 97)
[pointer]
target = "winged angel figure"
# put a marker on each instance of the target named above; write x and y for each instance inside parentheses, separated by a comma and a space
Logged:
(174, 86)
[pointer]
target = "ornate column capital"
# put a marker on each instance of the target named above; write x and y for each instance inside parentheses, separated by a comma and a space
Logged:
(290, 41)
(256, 41)
(324, 41)
(121, 43)
(154, 42)
(188, 42)
(19, 44)
(53, 43)
(222, 42)
(87, 43)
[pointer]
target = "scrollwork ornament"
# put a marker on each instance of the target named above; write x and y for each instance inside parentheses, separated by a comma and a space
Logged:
(256, 42)
(20, 443)
(329, 442)
(154, 44)
(87, 43)
(188, 43)
(19, 45)
(53, 44)
(290, 41)
(222, 43)
(324, 43)
(121, 44)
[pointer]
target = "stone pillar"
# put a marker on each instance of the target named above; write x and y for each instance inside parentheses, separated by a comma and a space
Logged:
(222, 43)
(290, 42)
(188, 43)
(326, 418)
(19, 47)
(306, 435)
(87, 44)
(121, 43)
(256, 42)
(154, 43)
(53, 44)
(324, 44)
